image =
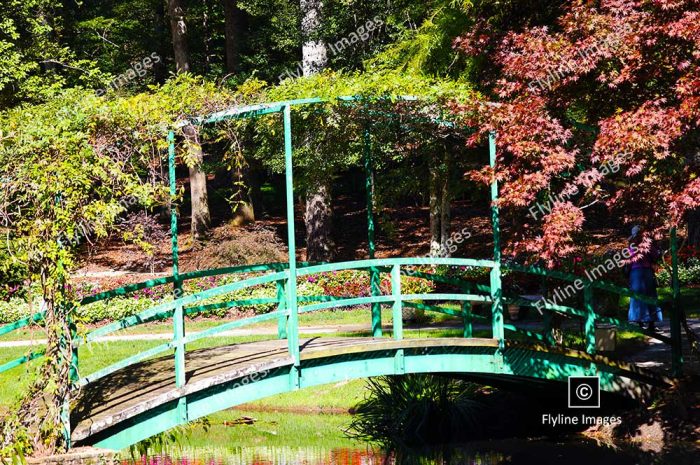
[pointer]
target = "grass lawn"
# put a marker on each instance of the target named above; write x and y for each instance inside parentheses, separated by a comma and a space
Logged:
(359, 316)
(328, 398)
(690, 300)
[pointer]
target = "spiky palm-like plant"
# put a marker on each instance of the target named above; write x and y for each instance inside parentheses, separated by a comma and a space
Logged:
(415, 410)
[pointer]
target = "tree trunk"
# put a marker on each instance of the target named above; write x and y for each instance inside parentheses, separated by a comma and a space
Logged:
(445, 218)
(244, 212)
(178, 31)
(160, 69)
(201, 218)
(317, 217)
(314, 54)
(206, 32)
(435, 213)
(440, 196)
(39, 415)
(234, 21)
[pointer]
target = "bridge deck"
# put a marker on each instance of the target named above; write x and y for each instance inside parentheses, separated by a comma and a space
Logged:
(143, 386)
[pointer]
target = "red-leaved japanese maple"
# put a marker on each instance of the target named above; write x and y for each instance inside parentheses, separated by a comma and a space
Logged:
(611, 83)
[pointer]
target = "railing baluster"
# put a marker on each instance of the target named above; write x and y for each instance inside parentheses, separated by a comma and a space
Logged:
(293, 322)
(375, 290)
(467, 317)
(75, 361)
(589, 324)
(281, 306)
(178, 337)
(397, 308)
(498, 331)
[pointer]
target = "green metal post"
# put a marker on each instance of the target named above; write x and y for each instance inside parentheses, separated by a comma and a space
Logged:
(178, 337)
(173, 215)
(282, 321)
(180, 371)
(467, 318)
(178, 316)
(65, 420)
(293, 322)
(397, 307)
(73, 376)
(589, 323)
(374, 277)
(495, 277)
(74, 362)
(676, 342)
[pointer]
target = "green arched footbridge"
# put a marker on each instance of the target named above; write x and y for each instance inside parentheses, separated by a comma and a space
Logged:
(169, 385)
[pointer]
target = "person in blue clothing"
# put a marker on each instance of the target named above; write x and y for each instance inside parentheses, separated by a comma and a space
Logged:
(643, 281)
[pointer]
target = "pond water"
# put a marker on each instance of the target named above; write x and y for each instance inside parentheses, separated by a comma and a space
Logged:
(304, 439)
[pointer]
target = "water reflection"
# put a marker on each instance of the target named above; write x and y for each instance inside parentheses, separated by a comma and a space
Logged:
(514, 452)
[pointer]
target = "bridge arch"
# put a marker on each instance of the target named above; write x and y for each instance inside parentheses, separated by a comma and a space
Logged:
(131, 413)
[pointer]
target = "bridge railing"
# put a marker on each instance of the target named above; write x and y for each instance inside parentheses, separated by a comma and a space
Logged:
(278, 273)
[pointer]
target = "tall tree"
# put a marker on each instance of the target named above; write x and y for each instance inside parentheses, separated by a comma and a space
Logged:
(439, 201)
(201, 217)
(317, 213)
(234, 23)
(178, 31)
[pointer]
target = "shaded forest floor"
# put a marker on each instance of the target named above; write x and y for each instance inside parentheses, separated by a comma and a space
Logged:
(401, 232)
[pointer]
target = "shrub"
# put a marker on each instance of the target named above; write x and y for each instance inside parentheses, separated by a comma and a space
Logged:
(347, 283)
(12, 274)
(688, 273)
(114, 309)
(15, 309)
(355, 283)
(417, 409)
(243, 245)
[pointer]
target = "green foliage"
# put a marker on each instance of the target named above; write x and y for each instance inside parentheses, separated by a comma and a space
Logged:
(329, 138)
(15, 309)
(688, 273)
(35, 60)
(414, 410)
(427, 48)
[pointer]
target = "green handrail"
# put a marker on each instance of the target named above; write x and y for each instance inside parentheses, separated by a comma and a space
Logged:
(393, 266)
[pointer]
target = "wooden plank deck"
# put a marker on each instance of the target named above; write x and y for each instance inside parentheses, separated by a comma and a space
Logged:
(143, 386)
